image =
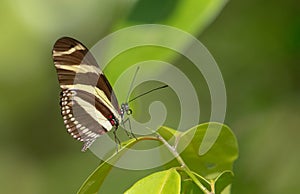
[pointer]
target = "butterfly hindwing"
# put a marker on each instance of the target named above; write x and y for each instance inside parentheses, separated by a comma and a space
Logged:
(88, 104)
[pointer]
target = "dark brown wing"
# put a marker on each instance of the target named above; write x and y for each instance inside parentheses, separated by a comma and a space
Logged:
(88, 103)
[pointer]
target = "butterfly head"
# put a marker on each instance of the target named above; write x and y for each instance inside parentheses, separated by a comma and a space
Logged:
(125, 109)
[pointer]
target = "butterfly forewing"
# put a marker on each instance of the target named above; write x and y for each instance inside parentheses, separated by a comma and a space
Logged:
(88, 104)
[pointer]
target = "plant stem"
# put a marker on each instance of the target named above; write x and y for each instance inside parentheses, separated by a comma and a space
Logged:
(184, 167)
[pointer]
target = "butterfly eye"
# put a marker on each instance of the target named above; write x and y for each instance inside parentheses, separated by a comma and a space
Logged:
(129, 112)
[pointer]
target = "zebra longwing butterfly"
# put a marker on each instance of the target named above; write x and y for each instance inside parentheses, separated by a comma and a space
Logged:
(88, 104)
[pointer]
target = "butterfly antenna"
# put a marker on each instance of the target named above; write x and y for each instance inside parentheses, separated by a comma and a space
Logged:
(143, 94)
(131, 85)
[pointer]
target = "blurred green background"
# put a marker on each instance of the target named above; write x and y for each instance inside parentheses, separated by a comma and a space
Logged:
(255, 43)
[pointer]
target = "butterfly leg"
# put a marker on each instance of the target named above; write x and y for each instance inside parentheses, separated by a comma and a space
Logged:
(118, 142)
(129, 124)
(123, 124)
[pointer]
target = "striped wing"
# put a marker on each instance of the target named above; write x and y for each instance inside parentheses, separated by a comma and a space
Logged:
(88, 104)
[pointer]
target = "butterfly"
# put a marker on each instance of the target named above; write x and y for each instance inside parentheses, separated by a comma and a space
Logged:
(89, 107)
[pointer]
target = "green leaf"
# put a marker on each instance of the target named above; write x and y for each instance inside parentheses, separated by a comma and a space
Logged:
(215, 164)
(220, 157)
(222, 181)
(189, 187)
(168, 134)
(96, 179)
(163, 182)
(203, 181)
(219, 184)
